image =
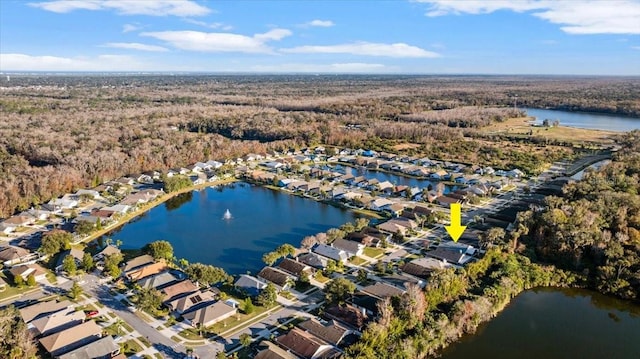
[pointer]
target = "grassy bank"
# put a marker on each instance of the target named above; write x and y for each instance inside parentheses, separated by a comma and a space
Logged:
(148, 206)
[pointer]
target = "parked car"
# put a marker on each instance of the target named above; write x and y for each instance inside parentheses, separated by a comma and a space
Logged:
(90, 313)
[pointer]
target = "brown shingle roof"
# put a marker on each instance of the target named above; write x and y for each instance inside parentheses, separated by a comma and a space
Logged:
(145, 271)
(292, 266)
(10, 253)
(272, 351)
(57, 321)
(211, 313)
(331, 332)
(273, 275)
(183, 303)
(302, 343)
(138, 262)
(347, 314)
(180, 288)
(382, 290)
(43, 308)
(70, 337)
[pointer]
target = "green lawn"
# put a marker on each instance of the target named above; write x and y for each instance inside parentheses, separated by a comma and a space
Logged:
(191, 334)
(357, 261)
(373, 252)
(11, 291)
(320, 277)
(131, 347)
(144, 341)
(237, 320)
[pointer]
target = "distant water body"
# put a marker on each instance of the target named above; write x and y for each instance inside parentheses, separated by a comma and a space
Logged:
(586, 120)
(554, 323)
(261, 220)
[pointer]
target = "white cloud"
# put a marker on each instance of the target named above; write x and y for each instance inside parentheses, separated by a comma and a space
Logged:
(351, 67)
(135, 46)
(320, 23)
(128, 7)
(219, 41)
(130, 27)
(22, 62)
(365, 49)
(212, 25)
(575, 17)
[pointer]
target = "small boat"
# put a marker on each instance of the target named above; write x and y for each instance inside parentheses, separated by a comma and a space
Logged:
(227, 215)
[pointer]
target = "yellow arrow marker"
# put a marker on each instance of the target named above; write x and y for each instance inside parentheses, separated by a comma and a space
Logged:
(456, 229)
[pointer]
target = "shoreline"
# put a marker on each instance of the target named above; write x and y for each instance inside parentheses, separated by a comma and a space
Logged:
(149, 206)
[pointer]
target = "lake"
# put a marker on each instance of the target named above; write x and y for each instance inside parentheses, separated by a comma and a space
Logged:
(554, 323)
(586, 120)
(262, 219)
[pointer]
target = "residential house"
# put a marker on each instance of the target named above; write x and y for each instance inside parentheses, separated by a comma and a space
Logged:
(14, 222)
(145, 271)
(386, 187)
(270, 350)
(176, 290)
(439, 175)
(88, 193)
(379, 204)
(214, 164)
(313, 260)
(56, 322)
(446, 201)
(72, 338)
(403, 281)
(363, 239)
(103, 348)
(190, 301)
(119, 209)
(294, 267)
(37, 214)
(280, 279)
(399, 225)
(348, 315)
(157, 281)
(252, 286)
(422, 267)
(210, 314)
(456, 257)
(352, 248)
(331, 332)
(76, 253)
(382, 290)
(330, 252)
(11, 255)
(106, 251)
(394, 209)
(42, 309)
(63, 203)
(26, 270)
(306, 345)
(138, 262)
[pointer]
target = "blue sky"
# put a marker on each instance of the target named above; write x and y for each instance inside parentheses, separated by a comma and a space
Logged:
(420, 36)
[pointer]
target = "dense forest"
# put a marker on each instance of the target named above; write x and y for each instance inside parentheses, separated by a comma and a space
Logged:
(595, 227)
(59, 133)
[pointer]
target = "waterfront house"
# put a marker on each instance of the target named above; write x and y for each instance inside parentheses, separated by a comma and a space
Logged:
(350, 247)
(72, 338)
(422, 267)
(294, 267)
(446, 201)
(119, 209)
(363, 239)
(379, 204)
(456, 257)
(252, 286)
(330, 252)
(313, 260)
(158, 281)
(106, 251)
(280, 279)
(438, 175)
(138, 262)
(210, 314)
(145, 271)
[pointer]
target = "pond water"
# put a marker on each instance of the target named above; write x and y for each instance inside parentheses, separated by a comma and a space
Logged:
(553, 323)
(261, 220)
(586, 120)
